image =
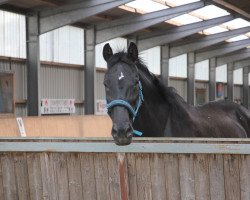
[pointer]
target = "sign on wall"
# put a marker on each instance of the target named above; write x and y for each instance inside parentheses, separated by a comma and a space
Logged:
(6, 93)
(57, 106)
(101, 107)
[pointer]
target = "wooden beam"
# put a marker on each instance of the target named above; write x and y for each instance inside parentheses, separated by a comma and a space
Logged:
(110, 147)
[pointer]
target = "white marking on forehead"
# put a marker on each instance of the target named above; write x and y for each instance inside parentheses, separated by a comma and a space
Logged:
(121, 76)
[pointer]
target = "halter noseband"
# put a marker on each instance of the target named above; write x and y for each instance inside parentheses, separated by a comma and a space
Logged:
(127, 105)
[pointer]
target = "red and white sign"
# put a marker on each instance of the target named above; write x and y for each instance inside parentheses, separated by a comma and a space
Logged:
(101, 107)
(57, 106)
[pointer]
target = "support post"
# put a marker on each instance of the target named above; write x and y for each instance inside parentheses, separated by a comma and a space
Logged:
(245, 87)
(230, 81)
(165, 64)
(33, 66)
(212, 79)
(190, 78)
(89, 71)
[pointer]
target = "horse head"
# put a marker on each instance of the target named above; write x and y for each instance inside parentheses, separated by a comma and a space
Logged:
(123, 91)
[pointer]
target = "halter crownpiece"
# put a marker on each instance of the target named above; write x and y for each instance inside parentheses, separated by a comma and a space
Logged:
(132, 111)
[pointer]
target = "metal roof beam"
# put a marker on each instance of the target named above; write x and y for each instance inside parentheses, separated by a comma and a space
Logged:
(57, 17)
(206, 41)
(124, 26)
(153, 39)
(239, 55)
(3, 2)
(242, 63)
(222, 50)
(232, 8)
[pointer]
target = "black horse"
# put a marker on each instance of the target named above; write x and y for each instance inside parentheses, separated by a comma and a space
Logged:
(138, 100)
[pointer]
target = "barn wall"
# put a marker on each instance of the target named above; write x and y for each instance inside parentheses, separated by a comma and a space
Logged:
(238, 94)
(180, 85)
(56, 82)
(12, 35)
(204, 86)
(100, 90)
(178, 66)
(63, 45)
(202, 70)
(238, 76)
(221, 73)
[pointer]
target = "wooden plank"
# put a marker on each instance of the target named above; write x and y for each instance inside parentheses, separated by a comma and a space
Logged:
(9, 180)
(232, 177)
(22, 180)
(74, 175)
(114, 179)
(48, 176)
(245, 177)
(158, 179)
(172, 177)
(216, 177)
(132, 182)
(123, 175)
(1, 179)
(35, 176)
(101, 176)
(88, 176)
(111, 147)
(201, 174)
(143, 177)
(186, 177)
(61, 175)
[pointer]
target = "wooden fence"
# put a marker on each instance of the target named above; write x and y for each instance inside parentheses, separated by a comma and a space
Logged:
(58, 126)
(155, 169)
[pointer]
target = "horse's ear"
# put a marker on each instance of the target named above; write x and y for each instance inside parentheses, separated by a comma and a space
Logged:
(133, 51)
(107, 52)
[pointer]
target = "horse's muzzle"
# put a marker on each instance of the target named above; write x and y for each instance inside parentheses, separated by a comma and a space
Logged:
(122, 134)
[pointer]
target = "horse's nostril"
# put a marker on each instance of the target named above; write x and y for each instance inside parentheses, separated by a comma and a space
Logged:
(129, 134)
(123, 130)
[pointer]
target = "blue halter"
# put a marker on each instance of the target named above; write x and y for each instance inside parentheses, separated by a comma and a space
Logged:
(132, 111)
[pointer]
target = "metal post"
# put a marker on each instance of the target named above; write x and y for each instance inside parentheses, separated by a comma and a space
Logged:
(245, 87)
(230, 81)
(89, 71)
(190, 78)
(165, 64)
(33, 65)
(212, 80)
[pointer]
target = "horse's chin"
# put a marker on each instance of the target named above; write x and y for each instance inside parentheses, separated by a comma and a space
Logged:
(122, 141)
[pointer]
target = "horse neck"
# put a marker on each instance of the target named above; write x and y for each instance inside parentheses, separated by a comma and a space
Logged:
(154, 111)
(163, 106)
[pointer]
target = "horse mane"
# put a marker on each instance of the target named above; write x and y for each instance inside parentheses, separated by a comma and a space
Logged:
(169, 93)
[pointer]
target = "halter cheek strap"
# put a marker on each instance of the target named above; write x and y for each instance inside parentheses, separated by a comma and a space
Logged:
(132, 111)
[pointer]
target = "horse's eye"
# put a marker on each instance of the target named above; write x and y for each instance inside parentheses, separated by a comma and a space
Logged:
(105, 83)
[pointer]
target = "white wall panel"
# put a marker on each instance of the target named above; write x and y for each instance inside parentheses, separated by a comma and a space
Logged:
(238, 76)
(46, 47)
(12, 35)
(202, 70)
(117, 44)
(63, 45)
(221, 73)
(152, 59)
(178, 66)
